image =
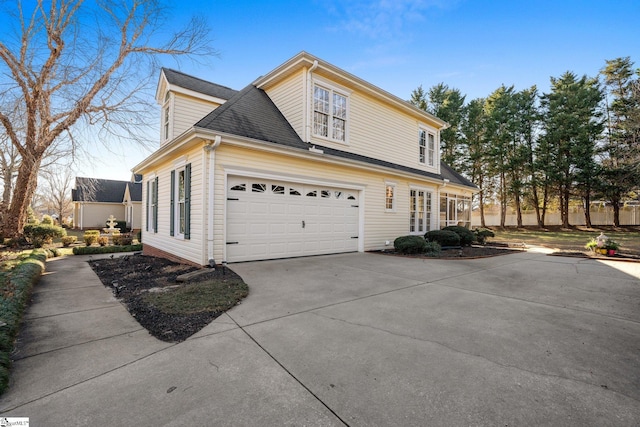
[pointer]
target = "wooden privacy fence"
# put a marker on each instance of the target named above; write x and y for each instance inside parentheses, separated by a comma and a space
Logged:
(629, 215)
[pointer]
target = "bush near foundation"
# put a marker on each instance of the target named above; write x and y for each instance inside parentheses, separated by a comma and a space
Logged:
(15, 290)
(409, 245)
(443, 237)
(466, 236)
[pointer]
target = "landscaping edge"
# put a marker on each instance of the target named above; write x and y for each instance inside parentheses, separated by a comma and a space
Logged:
(13, 301)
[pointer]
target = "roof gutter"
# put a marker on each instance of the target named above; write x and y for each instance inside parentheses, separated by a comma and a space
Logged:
(179, 142)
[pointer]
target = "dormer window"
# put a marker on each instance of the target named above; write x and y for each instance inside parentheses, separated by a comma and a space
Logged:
(329, 114)
(166, 114)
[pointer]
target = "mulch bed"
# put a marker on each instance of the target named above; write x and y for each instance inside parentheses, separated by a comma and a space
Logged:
(588, 254)
(465, 252)
(130, 276)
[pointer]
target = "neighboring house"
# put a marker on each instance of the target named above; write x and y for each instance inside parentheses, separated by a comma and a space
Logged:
(94, 200)
(306, 160)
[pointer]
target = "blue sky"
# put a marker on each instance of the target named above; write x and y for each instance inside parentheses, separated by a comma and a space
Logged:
(474, 46)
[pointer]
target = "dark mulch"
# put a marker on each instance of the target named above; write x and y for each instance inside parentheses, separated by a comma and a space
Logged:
(131, 276)
(467, 252)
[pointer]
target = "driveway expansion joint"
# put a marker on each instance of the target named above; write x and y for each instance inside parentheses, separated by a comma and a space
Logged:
(296, 379)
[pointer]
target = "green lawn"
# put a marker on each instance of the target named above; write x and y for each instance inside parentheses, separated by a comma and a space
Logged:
(575, 239)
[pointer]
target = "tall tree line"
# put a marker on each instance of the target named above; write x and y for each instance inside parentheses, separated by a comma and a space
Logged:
(579, 142)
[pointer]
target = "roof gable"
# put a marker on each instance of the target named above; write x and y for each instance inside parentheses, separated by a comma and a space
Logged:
(185, 81)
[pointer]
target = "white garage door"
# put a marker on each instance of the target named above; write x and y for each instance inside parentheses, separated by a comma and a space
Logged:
(271, 219)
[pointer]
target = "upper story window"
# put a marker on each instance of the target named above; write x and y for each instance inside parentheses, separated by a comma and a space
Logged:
(329, 114)
(427, 147)
(166, 113)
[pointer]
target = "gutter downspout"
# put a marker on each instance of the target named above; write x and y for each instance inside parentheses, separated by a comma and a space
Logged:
(309, 88)
(210, 148)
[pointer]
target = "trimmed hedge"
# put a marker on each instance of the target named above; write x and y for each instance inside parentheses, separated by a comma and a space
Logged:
(443, 237)
(482, 234)
(15, 292)
(93, 250)
(68, 240)
(466, 236)
(408, 245)
(39, 234)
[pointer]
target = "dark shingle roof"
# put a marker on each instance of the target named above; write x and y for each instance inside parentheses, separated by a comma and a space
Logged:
(202, 86)
(99, 190)
(135, 191)
(252, 114)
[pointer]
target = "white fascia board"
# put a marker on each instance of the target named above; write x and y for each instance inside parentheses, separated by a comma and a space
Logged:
(186, 138)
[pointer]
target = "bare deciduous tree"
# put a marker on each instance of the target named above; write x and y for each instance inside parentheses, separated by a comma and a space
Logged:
(69, 65)
(57, 192)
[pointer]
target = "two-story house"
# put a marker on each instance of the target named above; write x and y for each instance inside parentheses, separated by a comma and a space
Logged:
(307, 160)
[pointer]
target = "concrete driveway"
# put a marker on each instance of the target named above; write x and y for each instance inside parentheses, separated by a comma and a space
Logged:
(356, 339)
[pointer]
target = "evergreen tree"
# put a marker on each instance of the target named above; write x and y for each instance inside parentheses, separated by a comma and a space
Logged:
(622, 149)
(572, 130)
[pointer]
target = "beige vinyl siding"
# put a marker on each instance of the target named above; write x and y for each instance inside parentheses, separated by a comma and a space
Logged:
(136, 221)
(379, 225)
(288, 96)
(187, 111)
(189, 249)
(379, 131)
(94, 215)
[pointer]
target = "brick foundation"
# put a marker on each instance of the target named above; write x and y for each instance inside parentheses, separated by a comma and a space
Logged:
(151, 251)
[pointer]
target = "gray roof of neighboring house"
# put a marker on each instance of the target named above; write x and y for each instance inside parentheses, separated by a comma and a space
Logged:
(135, 191)
(252, 114)
(198, 85)
(104, 190)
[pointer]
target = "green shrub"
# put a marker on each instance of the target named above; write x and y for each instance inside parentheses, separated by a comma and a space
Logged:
(103, 240)
(443, 237)
(432, 249)
(39, 234)
(466, 236)
(139, 236)
(90, 239)
(46, 219)
(92, 232)
(409, 245)
(68, 240)
(94, 250)
(122, 239)
(482, 234)
(18, 286)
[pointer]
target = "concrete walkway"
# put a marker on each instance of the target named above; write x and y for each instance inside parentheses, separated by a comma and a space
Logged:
(357, 339)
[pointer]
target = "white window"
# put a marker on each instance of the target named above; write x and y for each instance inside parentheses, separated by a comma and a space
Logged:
(389, 197)
(180, 211)
(422, 145)
(431, 149)
(152, 205)
(426, 147)
(181, 200)
(420, 211)
(166, 117)
(329, 114)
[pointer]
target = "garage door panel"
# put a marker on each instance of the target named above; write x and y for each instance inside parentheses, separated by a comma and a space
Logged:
(269, 223)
